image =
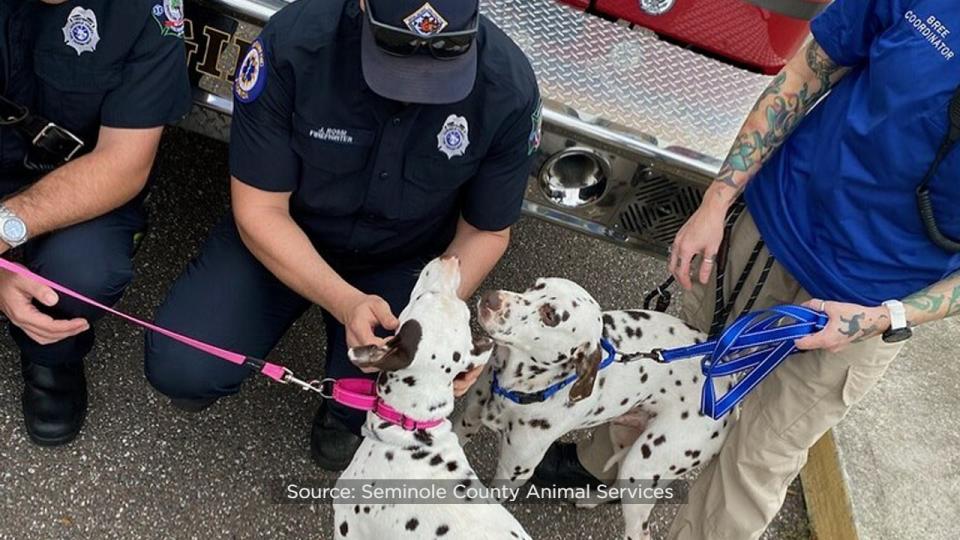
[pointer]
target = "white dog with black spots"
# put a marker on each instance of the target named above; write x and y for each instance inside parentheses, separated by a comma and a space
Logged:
(417, 371)
(552, 331)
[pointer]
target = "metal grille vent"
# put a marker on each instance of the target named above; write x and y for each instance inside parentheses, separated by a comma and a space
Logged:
(659, 207)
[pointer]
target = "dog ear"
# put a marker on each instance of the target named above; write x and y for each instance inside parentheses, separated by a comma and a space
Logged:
(397, 354)
(587, 365)
(482, 349)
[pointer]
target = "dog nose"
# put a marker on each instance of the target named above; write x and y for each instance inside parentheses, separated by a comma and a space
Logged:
(492, 300)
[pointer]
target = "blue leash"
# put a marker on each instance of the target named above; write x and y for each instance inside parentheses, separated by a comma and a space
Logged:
(762, 331)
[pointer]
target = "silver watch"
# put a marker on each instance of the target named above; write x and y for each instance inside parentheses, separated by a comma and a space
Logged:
(13, 230)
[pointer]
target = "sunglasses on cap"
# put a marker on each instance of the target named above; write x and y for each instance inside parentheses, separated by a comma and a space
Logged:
(401, 42)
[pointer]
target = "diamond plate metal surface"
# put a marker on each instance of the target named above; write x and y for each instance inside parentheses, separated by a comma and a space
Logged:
(681, 99)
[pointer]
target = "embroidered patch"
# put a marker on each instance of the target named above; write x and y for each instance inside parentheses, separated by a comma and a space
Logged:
(536, 134)
(252, 74)
(453, 138)
(169, 15)
(426, 21)
(80, 32)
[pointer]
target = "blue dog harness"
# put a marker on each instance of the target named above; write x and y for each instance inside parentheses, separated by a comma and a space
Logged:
(755, 344)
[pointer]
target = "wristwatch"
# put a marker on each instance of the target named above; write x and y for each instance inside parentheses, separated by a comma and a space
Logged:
(899, 330)
(13, 230)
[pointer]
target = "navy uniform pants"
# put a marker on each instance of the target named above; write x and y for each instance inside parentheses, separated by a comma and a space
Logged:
(93, 258)
(227, 298)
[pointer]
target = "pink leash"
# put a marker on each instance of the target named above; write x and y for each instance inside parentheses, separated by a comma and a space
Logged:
(358, 394)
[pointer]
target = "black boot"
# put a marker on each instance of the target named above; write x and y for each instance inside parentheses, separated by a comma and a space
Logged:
(332, 444)
(54, 402)
(561, 467)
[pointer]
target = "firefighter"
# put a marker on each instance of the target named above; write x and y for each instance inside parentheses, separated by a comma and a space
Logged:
(833, 192)
(86, 91)
(365, 141)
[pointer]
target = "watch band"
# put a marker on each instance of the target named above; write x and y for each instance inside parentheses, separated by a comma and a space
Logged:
(898, 314)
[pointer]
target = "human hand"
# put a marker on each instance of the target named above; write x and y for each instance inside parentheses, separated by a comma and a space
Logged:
(700, 235)
(849, 323)
(16, 301)
(361, 315)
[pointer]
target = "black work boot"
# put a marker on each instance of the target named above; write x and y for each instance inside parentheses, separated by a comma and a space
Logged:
(54, 402)
(561, 467)
(332, 444)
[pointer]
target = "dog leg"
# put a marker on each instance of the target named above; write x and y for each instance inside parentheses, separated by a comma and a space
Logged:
(467, 423)
(521, 450)
(667, 450)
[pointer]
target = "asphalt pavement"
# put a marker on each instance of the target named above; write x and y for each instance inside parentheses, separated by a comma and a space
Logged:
(141, 469)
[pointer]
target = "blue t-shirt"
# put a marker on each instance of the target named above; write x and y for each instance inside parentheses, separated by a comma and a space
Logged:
(836, 204)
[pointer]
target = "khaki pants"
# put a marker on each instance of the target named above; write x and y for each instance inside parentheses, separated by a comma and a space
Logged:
(740, 492)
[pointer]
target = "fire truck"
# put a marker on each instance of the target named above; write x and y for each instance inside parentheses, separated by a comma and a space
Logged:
(642, 98)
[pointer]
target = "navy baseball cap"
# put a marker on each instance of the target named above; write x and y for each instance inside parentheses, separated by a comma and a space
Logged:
(420, 77)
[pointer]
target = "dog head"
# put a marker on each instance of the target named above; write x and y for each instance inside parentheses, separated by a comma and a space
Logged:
(555, 322)
(431, 347)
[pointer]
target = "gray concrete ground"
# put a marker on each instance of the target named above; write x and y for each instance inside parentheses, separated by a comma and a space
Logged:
(143, 470)
(898, 447)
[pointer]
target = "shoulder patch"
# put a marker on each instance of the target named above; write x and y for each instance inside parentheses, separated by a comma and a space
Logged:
(252, 74)
(536, 133)
(169, 15)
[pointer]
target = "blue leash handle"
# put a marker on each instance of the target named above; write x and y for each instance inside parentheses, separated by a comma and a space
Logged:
(760, 330)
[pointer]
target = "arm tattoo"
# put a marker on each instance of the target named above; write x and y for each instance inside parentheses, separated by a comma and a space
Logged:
(938, 301)
(853, 327)
(821, 65)
(781, 111)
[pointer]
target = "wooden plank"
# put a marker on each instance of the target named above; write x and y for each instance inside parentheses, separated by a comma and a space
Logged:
(827, 494)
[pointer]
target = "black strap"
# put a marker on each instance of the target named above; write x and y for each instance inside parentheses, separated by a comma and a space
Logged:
(924, 203)
(51, 145)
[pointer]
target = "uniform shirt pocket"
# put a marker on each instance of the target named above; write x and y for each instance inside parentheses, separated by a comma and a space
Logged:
(71, 93)
(334, 176)
(431, 185)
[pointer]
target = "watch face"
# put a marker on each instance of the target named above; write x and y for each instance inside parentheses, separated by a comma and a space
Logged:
(898, 335)
(14, 229)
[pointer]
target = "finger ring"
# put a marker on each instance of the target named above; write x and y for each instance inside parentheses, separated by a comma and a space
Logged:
(709, 260)
(823, 304)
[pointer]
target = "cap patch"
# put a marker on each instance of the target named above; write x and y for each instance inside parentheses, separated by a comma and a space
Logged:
(252, 74)
(426, 21)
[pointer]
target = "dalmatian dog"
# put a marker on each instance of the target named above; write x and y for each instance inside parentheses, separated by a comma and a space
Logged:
(553, 331)
(417, 371)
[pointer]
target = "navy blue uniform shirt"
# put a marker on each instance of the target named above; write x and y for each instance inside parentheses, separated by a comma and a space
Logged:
(92, 63)
(373, 179)
(836, 204)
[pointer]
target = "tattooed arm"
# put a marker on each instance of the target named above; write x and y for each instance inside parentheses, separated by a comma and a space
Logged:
(938, 301)
(803, 81)
(784, 103)
(850, 323)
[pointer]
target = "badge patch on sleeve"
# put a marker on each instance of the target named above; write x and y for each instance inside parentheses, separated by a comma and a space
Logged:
(453, 138)
(80, 32)
(252, 74)
(169, 15)
(536, 134)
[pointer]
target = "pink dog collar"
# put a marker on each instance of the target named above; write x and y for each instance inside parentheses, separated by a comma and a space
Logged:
(361, 394)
